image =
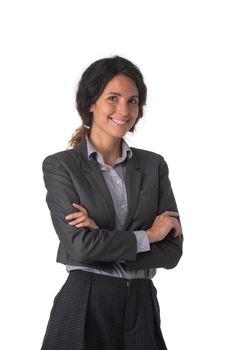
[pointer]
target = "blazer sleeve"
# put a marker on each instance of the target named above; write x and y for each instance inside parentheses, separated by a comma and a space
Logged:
(167, 252)
(84, 245)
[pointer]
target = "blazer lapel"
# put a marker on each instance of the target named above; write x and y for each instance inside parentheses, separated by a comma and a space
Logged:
(133, 185)
(98, 184)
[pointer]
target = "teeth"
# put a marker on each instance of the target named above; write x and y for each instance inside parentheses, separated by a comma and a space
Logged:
(118, 121)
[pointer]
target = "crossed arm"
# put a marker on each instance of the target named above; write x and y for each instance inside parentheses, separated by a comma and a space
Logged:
(87, 242)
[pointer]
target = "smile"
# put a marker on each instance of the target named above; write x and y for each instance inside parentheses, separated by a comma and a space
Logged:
(118, 121)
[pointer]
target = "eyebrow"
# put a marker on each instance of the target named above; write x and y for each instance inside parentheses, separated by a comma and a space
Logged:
(117, 93)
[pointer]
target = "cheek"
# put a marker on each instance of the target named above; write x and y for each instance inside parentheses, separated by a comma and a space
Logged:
(105, 109)
(102, 113)
(134, 113)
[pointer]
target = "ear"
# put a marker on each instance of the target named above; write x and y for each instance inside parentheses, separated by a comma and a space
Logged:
(92, 108)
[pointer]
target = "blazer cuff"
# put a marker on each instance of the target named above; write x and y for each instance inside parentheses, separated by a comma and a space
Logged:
(143, 244)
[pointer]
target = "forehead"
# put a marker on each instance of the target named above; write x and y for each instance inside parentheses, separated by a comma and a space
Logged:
(121, 83)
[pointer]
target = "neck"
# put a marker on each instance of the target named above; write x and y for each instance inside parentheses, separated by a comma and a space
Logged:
(108, 147)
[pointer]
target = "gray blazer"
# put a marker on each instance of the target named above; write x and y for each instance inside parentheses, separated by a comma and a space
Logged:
(69, 176)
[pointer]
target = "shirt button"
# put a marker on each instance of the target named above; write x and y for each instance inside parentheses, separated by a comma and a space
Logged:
(118, 181)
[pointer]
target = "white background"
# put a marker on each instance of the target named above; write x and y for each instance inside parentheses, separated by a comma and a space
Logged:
(184, 50)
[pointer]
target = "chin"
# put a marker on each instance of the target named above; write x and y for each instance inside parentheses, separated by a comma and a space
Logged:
(119, 132)
(119, 135)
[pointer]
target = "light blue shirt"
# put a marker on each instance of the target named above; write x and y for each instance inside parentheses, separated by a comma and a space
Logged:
(115, 180)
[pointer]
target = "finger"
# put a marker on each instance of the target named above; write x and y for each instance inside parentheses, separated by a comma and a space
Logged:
(78, 220)
(181, 233)
(82, 209)
(178, 231)
(83, 224)
(174, 223)
(74, 215)
(178, 235)
(170, 213)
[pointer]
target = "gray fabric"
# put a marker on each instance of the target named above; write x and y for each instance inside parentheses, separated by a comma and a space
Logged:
(69, 176)
(115, 180)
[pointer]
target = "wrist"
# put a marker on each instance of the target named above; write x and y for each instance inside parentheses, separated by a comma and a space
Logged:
(148, 232)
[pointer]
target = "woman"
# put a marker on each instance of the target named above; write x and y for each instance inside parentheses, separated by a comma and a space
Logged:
(116, 217)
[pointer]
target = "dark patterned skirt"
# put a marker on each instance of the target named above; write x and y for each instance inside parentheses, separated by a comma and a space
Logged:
(98, 312)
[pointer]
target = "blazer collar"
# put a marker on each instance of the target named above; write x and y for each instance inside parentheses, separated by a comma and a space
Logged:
(97, 182)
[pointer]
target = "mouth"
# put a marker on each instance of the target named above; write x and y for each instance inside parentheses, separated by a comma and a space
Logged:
(119, 121)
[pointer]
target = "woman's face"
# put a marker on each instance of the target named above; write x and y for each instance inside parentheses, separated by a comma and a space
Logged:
(116, 110)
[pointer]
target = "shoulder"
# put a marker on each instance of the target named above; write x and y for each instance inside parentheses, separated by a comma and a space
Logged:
(62, 158)
(144, 156)
(151, 162)
(144, 153)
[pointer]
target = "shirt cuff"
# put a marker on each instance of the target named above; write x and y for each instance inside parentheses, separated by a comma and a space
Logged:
(143, 244)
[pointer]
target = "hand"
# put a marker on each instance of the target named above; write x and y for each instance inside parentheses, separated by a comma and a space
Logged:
(162, 225)
(81, 218)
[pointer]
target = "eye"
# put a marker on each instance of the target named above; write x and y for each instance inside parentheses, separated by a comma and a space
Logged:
(112, 98)
(133, 101)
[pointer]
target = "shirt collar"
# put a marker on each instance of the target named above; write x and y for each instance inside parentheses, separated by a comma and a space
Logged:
(126, 151)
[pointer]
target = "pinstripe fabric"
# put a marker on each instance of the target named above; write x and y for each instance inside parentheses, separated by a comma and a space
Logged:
(97, 312)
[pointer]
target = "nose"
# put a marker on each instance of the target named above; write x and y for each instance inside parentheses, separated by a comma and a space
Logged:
(122, 108)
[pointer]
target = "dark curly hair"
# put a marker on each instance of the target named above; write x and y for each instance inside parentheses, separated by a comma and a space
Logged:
(92, 83)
